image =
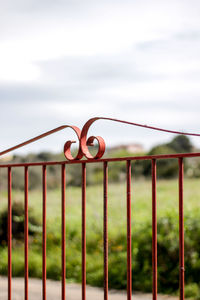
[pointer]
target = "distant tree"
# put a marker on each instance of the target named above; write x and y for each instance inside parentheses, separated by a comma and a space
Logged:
(162, 149)
(45, 156)
(181, 144)
(167, 168)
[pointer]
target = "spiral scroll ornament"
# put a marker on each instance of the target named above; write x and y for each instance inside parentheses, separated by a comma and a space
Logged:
(67, 146)
(84, 142)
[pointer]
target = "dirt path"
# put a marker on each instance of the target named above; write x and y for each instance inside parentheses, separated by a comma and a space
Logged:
(73, 291)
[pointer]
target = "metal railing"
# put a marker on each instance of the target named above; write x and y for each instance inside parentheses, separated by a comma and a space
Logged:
(84, 151)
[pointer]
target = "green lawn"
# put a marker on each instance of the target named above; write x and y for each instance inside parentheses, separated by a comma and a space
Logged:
(167, 200)
(167, 207)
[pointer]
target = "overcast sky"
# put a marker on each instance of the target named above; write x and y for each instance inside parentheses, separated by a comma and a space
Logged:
(64, 61)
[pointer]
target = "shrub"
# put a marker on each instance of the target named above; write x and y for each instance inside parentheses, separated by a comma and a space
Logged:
(17, 223)
(192, 290)
(168, 255)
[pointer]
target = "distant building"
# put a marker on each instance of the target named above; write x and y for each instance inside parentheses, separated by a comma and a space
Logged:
(6, 158)
(132, 148)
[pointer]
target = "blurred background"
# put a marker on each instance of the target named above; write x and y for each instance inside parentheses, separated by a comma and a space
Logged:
(63, 62)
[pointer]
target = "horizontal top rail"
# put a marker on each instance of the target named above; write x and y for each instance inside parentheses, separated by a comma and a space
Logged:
(146, 157)
(84, 142)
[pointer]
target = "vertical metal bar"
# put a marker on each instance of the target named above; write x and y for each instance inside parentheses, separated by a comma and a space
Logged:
(44, 234)
(63, 232)
(26, 231)
(154, 230)
(9, 234)
(129, 258)
(83, 231)
(181, 231)
(105, 226)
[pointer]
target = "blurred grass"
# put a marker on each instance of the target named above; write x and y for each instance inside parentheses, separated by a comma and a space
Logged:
(167, 199)
(167, 207)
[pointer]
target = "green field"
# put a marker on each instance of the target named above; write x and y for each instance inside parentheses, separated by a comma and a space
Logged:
(167, 210)
(167, 200)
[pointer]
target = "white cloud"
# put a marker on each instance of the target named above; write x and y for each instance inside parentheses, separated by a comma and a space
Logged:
(18, 70)
(102, 30)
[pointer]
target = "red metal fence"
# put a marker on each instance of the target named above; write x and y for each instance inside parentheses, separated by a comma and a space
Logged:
(84, 151)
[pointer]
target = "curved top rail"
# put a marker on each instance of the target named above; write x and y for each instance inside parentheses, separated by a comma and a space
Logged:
(84, 142)
(38, 137)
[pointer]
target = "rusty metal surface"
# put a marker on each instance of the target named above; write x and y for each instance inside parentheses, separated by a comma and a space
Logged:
(26, 233)
(105, 228)
(9, 234)
(144, 157)
(83, 231)
(181, 231)
(129, 250)
(44, 199)
(83, 151)
(63, 229)
(154, 231)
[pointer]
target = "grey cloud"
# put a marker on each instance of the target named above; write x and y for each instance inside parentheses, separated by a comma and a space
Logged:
(178, 104)
(103, 69)
(63, 7)
(176, 40)
(37, 5)
(188, 35)
(26, 93)
(38, 93)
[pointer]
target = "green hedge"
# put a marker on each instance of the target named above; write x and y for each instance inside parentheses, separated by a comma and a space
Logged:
(168, 256)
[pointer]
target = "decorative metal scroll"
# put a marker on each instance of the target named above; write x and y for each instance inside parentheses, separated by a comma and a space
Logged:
(84, 142)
